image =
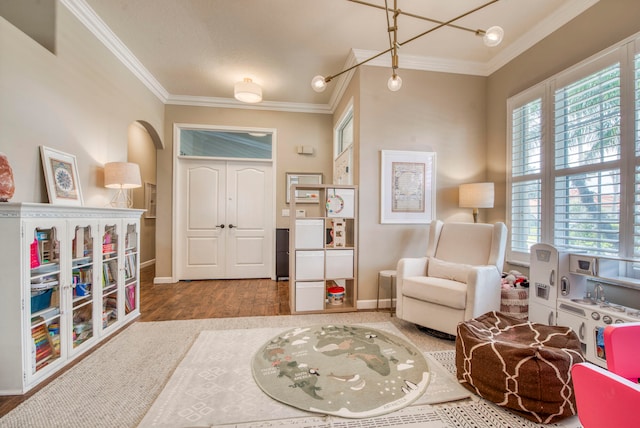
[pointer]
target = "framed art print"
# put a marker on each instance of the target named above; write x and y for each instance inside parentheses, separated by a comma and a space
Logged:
(303, 196)
(407, 187)
(149, 200)
(61, 176)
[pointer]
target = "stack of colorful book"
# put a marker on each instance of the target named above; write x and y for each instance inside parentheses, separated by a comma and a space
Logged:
(43, 348)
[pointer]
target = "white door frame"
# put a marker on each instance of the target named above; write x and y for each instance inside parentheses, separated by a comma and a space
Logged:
(174, 209)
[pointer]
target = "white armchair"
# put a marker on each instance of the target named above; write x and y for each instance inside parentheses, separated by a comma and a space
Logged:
(459, 279)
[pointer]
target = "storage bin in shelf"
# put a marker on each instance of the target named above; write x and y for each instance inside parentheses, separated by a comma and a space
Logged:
(309, 295)
(339, 264)
(309, 233)
(309, 265)
(40, 300)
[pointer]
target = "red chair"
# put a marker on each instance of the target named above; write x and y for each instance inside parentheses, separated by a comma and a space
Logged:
(610, 398)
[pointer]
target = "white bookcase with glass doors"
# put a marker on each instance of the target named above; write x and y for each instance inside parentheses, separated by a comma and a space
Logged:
(70, 278)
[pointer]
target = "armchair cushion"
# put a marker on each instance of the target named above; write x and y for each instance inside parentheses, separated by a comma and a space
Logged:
(448, 270)
(440, 291)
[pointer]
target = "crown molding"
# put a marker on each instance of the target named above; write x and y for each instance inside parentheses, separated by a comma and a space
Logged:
(197, 101)
(423, 63)
(86, 15)
(541, 30)
(81, 10)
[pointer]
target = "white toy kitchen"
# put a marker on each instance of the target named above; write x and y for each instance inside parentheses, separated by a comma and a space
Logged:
(583, 292)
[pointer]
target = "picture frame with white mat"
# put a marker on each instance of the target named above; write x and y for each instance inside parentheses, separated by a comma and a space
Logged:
(61, 177)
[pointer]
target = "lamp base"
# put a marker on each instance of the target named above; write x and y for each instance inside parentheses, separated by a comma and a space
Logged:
(475, 215)
(121, 199)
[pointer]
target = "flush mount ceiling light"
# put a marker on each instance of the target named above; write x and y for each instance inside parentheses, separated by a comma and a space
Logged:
(491, 37)
(247, 91)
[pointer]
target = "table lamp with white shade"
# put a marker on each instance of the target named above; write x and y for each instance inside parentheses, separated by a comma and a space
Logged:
(122, 176)
(476, 195)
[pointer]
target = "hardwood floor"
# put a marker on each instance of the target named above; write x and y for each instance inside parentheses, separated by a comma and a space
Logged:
(212, 299)
(192, 300)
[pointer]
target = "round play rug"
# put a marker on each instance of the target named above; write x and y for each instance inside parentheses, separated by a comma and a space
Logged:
(343, 370)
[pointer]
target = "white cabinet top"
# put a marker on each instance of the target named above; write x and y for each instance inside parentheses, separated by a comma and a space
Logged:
(37, 210)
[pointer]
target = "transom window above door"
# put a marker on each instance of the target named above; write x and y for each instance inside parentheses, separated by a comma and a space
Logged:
(227, 144)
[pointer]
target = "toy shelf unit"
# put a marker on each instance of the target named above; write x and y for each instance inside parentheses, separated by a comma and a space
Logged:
(323, 238)
(52, 304)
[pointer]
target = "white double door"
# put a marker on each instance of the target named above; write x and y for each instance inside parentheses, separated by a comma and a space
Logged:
(224, 219)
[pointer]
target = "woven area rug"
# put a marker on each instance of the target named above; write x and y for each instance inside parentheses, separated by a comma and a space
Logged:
(213, 385)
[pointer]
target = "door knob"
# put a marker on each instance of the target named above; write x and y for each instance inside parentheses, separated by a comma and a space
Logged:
(231, 226)
(221, 226)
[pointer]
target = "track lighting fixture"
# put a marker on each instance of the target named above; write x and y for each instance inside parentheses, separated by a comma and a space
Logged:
(491, 37)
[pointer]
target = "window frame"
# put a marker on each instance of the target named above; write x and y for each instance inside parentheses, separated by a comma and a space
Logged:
(625, 54)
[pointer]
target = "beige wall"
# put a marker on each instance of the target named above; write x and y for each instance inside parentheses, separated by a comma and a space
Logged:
(599, 27)
(293, 129)
(80, 101)
(433, 112)
(142, 150)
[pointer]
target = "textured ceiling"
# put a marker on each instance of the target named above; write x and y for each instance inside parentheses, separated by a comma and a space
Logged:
(200, 48)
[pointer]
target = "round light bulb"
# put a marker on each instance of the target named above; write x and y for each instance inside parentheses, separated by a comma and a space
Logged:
(318, 83)
(493, 36)
(394, 83)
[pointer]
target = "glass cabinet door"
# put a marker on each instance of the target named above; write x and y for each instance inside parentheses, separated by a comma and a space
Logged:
(110, 238)
(82, 262)
(46, 282)
(131, 289)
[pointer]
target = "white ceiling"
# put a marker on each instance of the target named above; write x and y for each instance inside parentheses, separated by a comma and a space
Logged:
(193, 51)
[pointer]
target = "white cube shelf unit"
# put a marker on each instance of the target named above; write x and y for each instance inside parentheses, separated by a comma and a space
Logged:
(324, 249)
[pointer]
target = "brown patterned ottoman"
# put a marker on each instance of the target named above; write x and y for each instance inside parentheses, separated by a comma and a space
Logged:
(519, 365)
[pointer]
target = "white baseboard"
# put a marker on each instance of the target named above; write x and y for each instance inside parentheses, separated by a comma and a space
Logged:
(147, 263)
(163, 280)
(371, 304)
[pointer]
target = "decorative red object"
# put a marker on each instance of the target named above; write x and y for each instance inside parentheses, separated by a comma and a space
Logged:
(7, 185)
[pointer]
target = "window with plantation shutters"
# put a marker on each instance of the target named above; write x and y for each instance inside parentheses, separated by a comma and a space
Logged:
(526, 132)
(636, 193)
(587, 212)
(574, 152)
(587, 141)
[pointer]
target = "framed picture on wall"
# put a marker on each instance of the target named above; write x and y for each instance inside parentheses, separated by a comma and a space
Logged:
(303, 196)
(407, 187)
(150, 200)
(61, 176)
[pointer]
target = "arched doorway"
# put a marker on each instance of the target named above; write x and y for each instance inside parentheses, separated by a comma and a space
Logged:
(143, 143)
